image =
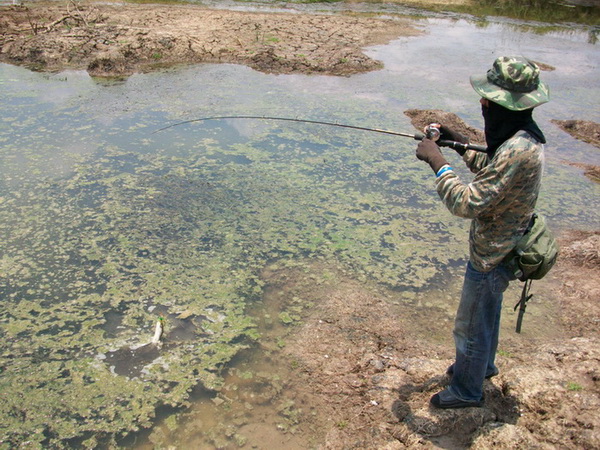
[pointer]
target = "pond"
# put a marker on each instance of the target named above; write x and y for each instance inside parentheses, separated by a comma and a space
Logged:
(107, 226)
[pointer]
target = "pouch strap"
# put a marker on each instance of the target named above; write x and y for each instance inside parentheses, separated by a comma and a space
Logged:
(522, 304)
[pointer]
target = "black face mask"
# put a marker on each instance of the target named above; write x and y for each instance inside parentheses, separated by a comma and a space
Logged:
(502, 123)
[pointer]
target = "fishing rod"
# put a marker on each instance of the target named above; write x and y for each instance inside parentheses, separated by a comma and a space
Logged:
(430, 130)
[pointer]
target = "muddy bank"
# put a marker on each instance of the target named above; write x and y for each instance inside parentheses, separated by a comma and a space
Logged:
(121, 39)
(585, 131)
(369, 363)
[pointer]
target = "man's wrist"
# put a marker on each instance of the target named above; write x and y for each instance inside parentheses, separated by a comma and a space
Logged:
(445, 168)
(437, 162)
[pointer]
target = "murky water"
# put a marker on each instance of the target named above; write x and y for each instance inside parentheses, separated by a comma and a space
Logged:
(106, 226)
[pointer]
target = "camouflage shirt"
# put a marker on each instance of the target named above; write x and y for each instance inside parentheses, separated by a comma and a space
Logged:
(500, 199)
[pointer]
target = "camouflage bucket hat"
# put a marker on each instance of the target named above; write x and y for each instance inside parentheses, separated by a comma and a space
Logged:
(513, 82)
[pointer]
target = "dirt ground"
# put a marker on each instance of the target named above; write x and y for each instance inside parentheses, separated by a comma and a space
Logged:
(119, 39)
(369, 364)
(586, 131)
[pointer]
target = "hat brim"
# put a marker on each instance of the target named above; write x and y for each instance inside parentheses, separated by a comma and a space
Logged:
(515, 101)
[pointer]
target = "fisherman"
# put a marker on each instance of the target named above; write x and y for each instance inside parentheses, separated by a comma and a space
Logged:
(500, 200)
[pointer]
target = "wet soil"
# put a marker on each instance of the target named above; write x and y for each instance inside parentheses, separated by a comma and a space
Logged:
(586, 131)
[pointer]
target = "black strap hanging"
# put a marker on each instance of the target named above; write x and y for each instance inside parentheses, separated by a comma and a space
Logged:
(522, 304)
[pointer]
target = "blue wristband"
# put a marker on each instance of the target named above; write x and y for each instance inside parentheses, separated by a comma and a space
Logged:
(443, 170)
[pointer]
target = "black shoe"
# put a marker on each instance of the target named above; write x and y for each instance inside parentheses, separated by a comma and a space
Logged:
(445, 400)
(450, 371)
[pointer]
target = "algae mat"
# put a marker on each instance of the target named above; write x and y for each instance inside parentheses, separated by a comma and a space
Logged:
(92, 259)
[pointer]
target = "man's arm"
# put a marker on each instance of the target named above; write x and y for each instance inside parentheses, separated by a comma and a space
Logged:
(475, 161)
(490, 186)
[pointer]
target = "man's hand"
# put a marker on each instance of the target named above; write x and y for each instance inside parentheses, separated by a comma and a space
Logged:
(447, 134)
(428, 151)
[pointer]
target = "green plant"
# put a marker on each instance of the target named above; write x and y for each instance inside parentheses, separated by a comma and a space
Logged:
(573, 386)
(341, 424)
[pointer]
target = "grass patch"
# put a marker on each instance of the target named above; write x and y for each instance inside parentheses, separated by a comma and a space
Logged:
(341, 424)
(573, 386)
(546, 11)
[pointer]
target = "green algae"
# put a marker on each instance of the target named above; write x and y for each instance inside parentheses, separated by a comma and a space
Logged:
(94, 259)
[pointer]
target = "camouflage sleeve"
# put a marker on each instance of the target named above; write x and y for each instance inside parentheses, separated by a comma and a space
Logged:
(475, 161)
(489, 187)
(500, 199)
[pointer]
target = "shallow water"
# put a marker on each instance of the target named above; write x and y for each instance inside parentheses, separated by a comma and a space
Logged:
(106, 226)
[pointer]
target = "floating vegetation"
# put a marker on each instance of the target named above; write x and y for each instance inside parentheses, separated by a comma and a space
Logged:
(94, 260)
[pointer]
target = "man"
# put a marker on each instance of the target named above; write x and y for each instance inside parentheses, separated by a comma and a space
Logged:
(500, 201)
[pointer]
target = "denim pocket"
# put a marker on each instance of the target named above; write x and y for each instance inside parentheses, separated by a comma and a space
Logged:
(501, 276)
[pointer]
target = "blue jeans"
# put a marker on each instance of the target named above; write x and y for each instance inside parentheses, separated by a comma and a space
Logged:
(476, 330)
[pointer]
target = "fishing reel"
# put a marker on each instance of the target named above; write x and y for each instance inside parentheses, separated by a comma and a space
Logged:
(432, 131)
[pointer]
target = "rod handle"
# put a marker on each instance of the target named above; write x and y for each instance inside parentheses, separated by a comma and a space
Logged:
(453, 144)
(460, 146)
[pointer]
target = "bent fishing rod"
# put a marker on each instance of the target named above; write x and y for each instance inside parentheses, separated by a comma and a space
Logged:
(432, 132)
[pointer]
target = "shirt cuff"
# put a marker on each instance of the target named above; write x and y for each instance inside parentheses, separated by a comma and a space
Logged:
(443, 170)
